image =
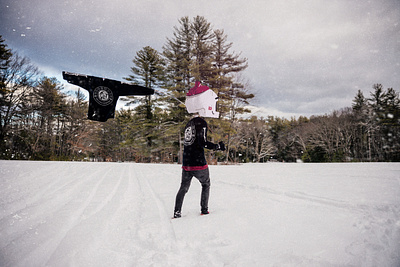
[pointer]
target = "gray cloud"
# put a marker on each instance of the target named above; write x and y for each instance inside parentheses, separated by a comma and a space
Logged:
(305, 57)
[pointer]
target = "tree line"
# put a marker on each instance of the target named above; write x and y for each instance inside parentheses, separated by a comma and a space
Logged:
(39, 121)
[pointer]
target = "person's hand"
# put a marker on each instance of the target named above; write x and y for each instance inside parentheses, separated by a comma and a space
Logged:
(221, 146)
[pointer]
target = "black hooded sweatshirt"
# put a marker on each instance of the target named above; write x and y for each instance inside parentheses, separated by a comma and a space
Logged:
(194, 144)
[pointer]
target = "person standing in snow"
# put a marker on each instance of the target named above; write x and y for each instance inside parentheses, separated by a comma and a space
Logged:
(201, 101)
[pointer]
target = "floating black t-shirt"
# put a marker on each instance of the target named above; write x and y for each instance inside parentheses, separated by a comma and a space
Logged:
(194, 144)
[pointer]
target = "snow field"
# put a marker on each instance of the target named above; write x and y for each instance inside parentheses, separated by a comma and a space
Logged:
(119, 214)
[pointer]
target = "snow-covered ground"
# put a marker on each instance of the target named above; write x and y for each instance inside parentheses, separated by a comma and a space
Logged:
(274, 214)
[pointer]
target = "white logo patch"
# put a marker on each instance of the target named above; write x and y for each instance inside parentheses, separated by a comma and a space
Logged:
(103, 95)
(190, 135)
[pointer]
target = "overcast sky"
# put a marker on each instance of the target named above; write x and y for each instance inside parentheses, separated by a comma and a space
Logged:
(305, 57)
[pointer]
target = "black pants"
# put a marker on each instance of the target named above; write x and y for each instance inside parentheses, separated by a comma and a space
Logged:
(204, 177)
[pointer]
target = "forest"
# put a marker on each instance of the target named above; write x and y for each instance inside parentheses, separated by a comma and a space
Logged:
(40, 121)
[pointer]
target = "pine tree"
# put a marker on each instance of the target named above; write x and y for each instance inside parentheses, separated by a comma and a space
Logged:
(362, 139)
(232, 95)
(178, 55)
(359, 102)
(5, 56)
(377, 121)
(226, 64)
(148, 71)
(390, 125)
(197, 52)
(50, 107)
(203, 36)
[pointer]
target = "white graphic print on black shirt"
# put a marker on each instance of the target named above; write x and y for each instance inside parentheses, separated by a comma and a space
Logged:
(190, 134)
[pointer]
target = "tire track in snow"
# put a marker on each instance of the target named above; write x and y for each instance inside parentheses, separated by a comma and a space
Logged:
(141, 242)
(34, 215)
(106, 200)
(304, 197)
(95, 247)
(90, 226)
(119, 240)
(95, 238)
(166, 225)
(175, 249)
(52, 189)
(71, 211)
(156, 236)
(28, 180)
(375, 222)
